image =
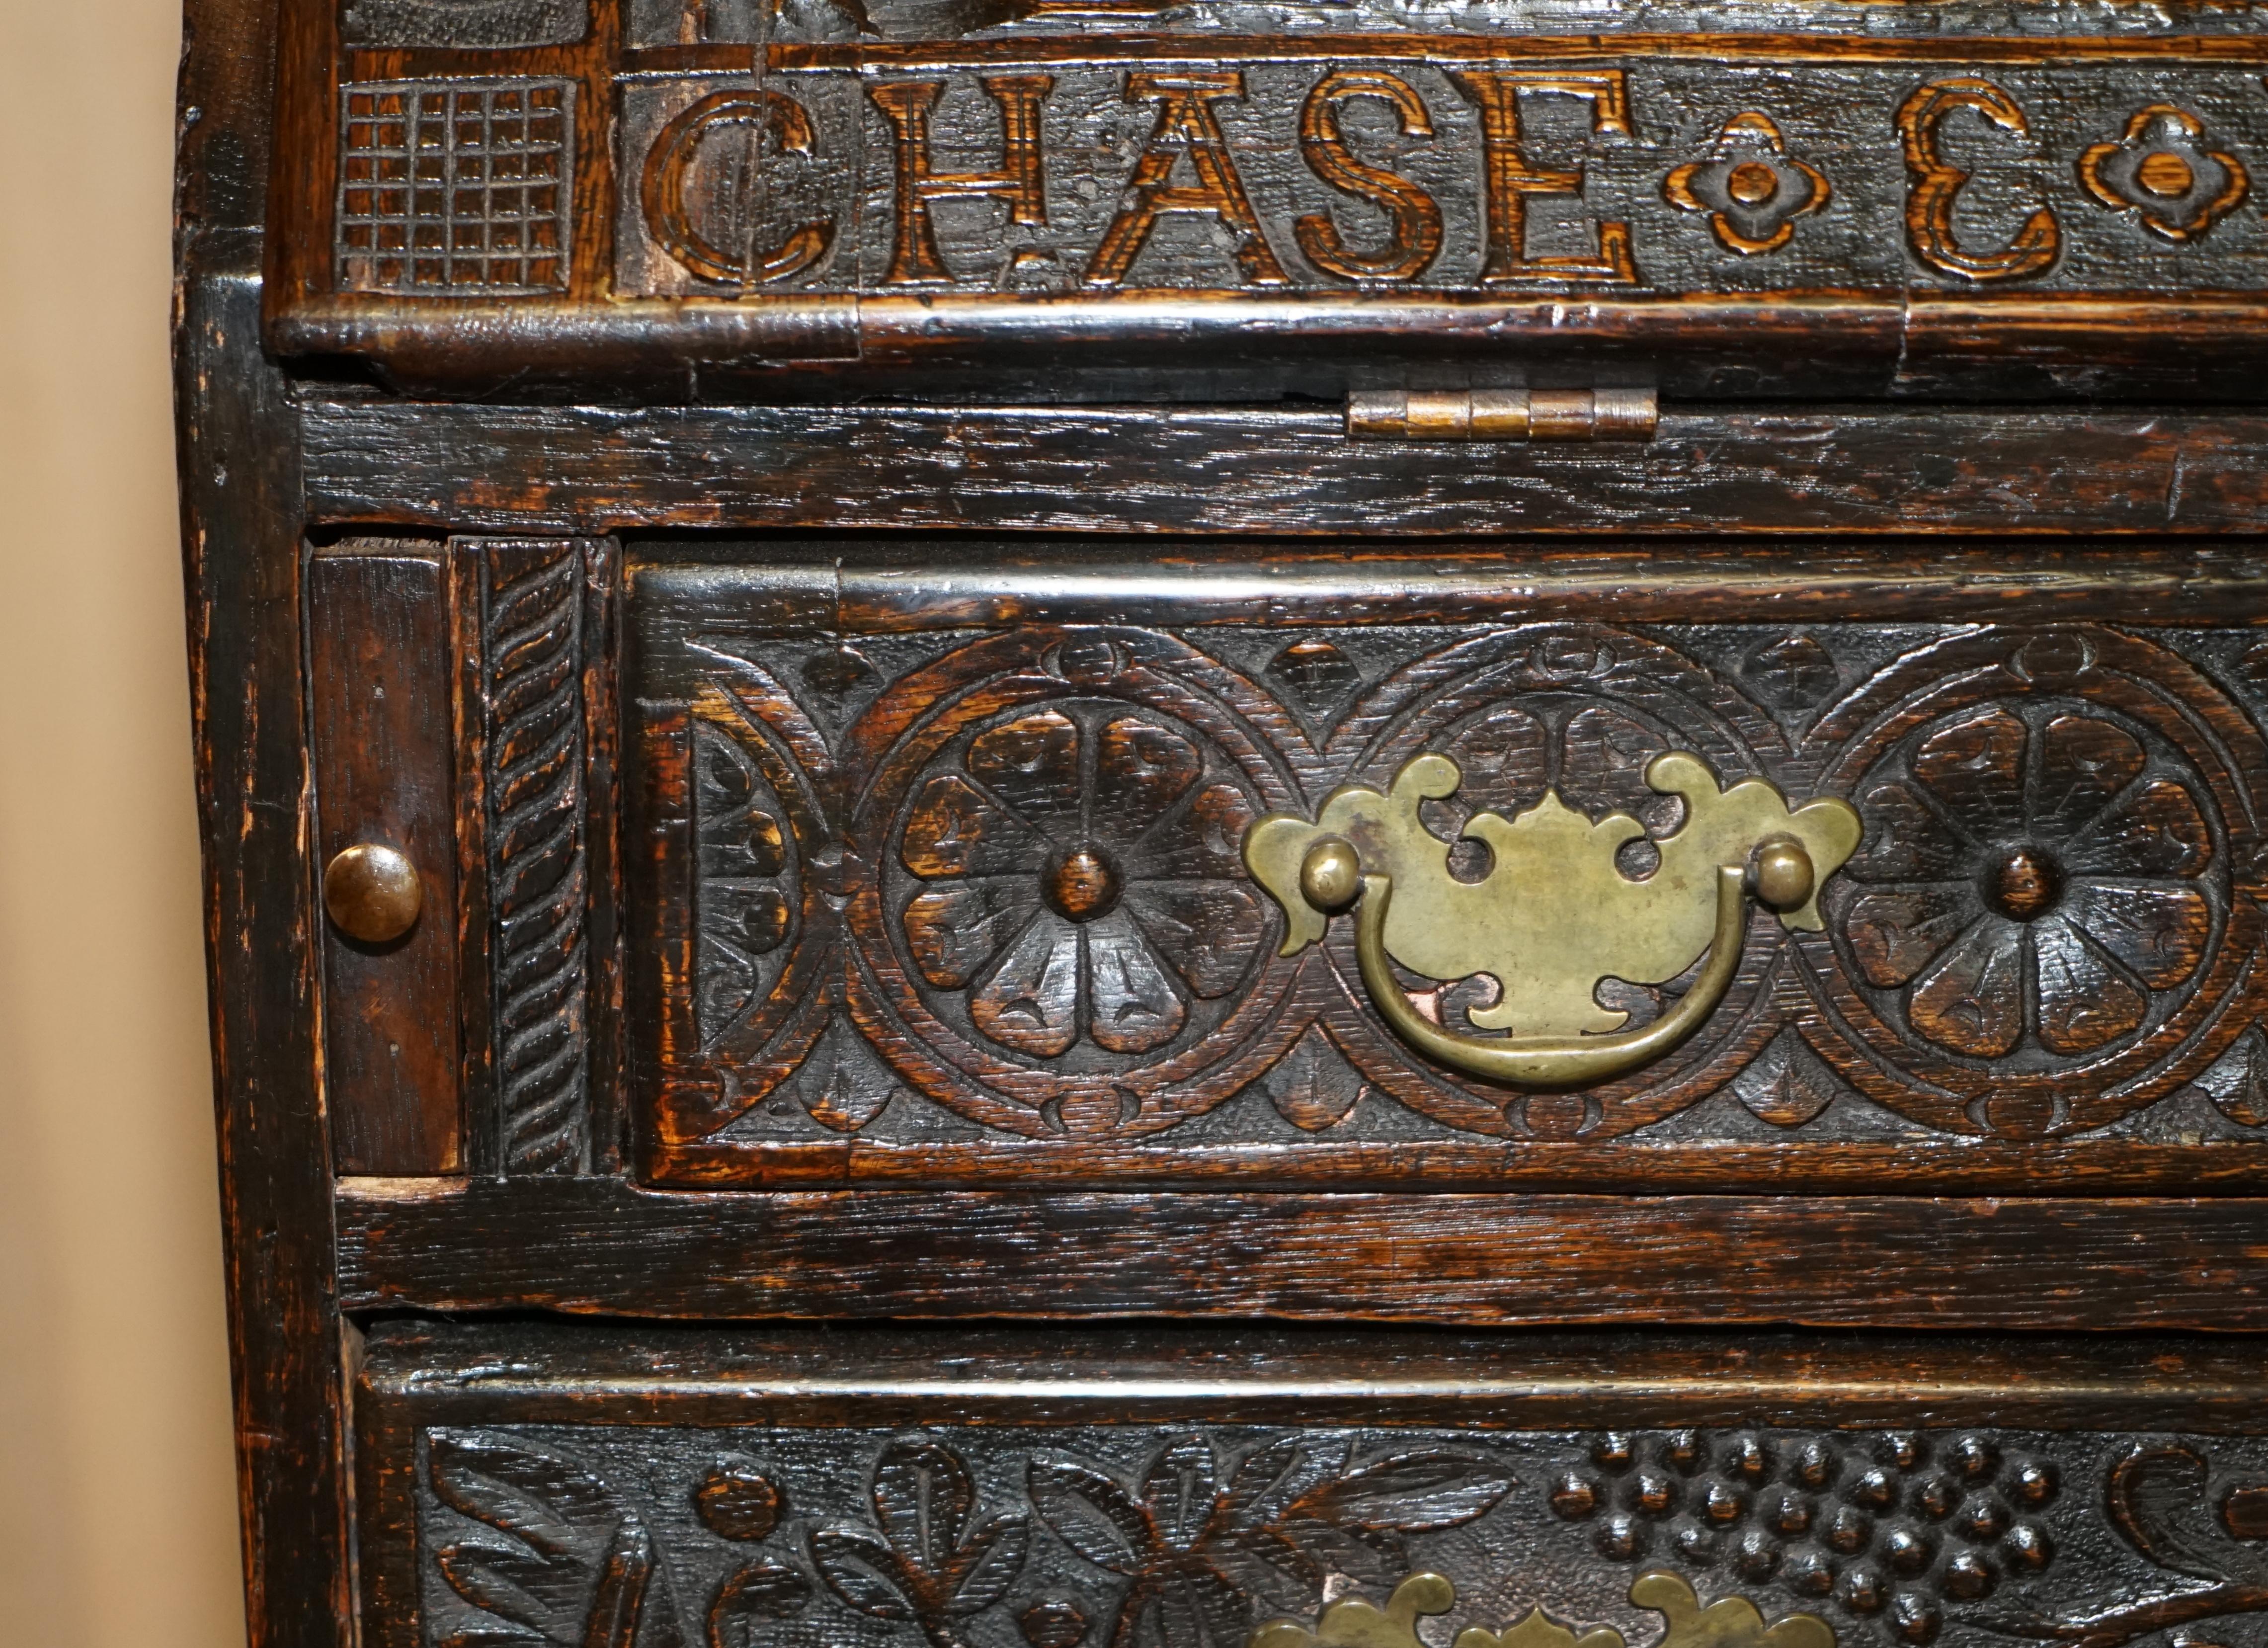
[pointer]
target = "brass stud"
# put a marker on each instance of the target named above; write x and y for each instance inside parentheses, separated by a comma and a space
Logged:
(1785, 876)
(1330, 875)
(373, 892)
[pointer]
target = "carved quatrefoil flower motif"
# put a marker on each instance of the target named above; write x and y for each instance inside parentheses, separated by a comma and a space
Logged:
(2029, 880)
(2161, 170)
(1080, 880)
(1750, 186)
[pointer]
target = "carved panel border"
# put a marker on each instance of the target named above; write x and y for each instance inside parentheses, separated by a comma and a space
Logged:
(894, 189)
(852, 1489)
(958, 1024)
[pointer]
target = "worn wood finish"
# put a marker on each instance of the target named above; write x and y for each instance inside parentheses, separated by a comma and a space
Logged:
(1490, 196)
(379, 700)
(600, 1247)
(901, 880)
(833, 402)
(241, 514)
(1227, 469)
(994, 1484)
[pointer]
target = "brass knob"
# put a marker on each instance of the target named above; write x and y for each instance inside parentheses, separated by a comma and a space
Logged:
(373, 892)
(1784, 876)
(1330, 875)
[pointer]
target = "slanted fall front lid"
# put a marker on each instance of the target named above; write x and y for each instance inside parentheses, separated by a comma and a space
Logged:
(1748, 198)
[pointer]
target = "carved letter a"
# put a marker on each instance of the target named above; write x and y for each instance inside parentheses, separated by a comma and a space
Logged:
(1185, 126)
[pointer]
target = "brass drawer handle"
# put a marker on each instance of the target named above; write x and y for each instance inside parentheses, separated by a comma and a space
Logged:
(1555, 915)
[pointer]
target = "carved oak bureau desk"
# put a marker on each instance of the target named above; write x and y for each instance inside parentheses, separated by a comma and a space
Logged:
(1237, 823)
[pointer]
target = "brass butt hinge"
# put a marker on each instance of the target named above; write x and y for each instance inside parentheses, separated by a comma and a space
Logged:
(1501, 414)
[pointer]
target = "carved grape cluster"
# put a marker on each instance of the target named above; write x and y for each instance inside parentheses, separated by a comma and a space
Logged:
(1891, 1529)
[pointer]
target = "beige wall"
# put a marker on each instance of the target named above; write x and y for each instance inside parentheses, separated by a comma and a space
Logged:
(117, 1497)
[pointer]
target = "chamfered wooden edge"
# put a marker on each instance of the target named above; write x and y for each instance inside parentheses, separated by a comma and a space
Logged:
(436, 1372)
(1286, 470)
(598, 1246)
(1944, 1167)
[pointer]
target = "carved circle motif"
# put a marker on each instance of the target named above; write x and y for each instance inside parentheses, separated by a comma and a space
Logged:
(1051, 867)
(2055, 902)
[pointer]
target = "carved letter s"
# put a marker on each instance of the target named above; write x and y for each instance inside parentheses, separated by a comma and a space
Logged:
(1936, 183)
(1416, 219)
(671, 157)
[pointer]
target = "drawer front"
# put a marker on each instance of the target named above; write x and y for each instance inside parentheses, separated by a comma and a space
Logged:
(933, 886)
(1214, 1488)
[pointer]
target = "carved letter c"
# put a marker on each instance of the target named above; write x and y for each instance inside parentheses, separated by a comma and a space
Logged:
(671, 157)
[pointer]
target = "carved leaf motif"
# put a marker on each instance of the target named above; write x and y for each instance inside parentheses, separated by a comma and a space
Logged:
(2083, 1004)
(1210, 930)
(1031, 1001)
(1132, 1007)
(1905, 839)
(1793, 672)
(1091, 1513)
(1203, 844)
(2157, 1498)
(567, 1562)
(1971, 999)
(1140, 770)
(1975, 767)
(1894, 934)
(1032, 764)
(933, 1563)
(1312, 1087)
(1316, 673)
(1792, 1094)
(953, 930)
(2158, 931)
(2157, 833)
(1369, 1508)
(2085, 762)
(954, 831)
(2244, 1100)
(1202, 1551)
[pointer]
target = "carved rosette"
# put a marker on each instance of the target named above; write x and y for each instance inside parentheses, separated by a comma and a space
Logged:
(2056, 906)
(1054, 932)
(2164, 172)
(1581, 710)
(1751, 189)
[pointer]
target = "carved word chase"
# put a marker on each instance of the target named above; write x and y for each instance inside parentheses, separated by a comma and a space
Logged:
(1500, 163)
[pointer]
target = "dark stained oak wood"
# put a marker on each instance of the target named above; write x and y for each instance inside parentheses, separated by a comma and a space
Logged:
(1272, 470)
(599, 1248)
(727, 427)
(913, 1374)
(379, 704)
(241, 514)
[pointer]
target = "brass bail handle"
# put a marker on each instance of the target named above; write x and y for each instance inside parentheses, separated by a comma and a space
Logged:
(1555, 915)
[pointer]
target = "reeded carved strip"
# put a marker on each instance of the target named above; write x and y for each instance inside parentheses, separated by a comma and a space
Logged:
(538, 856)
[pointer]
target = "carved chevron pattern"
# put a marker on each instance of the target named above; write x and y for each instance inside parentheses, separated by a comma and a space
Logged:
(537, 859)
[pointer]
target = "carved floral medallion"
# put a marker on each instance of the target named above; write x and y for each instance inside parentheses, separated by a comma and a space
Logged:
(2056, 896)
(2162, 172)
(1752, 190)
(1051, 870)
